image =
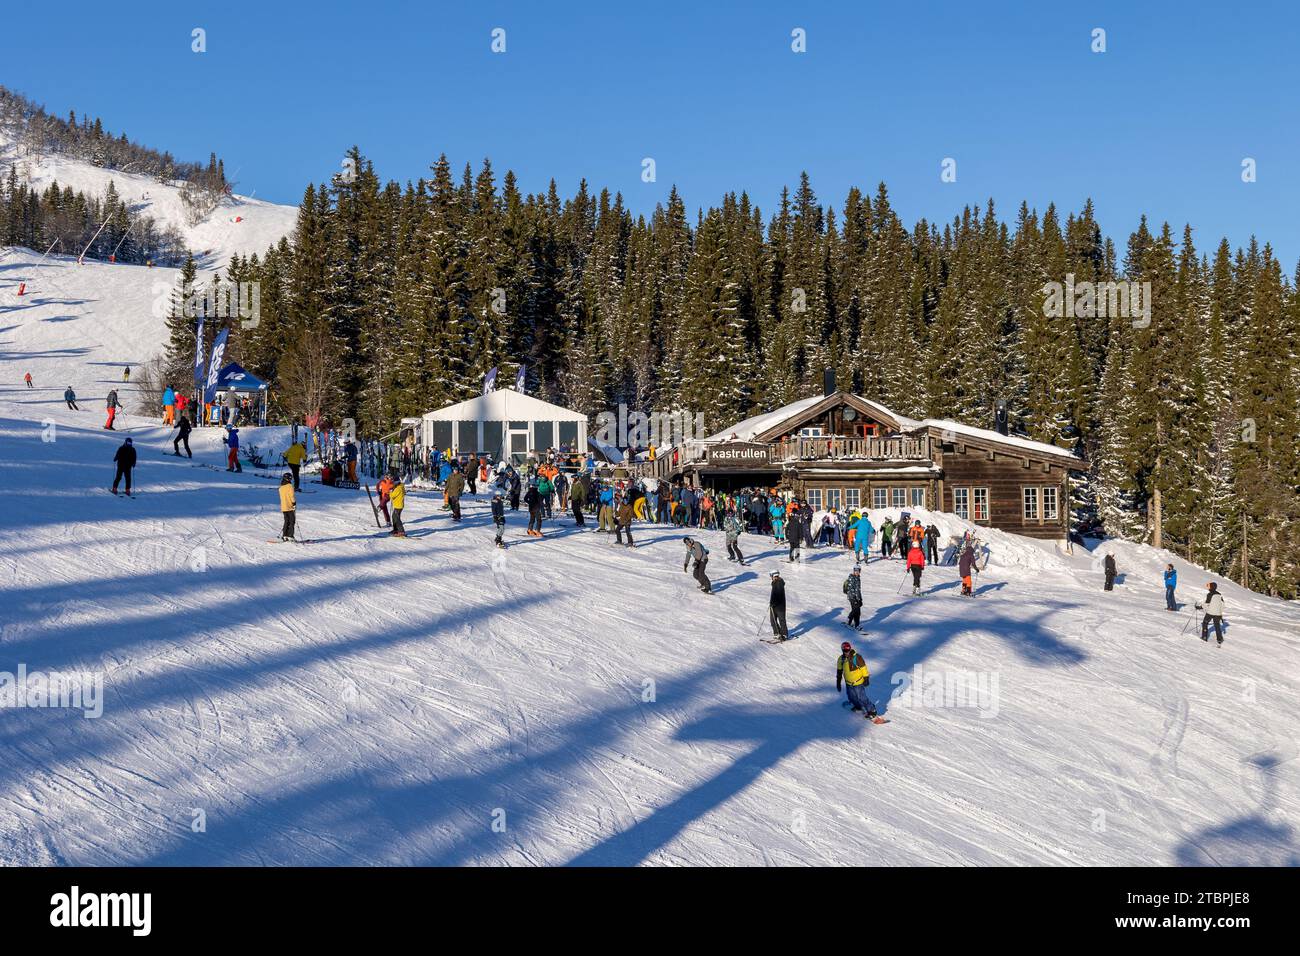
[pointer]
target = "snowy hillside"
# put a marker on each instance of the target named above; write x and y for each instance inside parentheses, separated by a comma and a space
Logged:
(240, 225)
(363, 699)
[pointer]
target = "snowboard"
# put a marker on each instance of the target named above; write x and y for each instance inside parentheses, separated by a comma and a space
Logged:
(875, 720)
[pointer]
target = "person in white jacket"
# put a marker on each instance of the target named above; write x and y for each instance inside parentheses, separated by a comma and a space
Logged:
(1213, 607)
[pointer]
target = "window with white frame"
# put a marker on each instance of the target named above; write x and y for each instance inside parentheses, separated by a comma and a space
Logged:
(852, 497)
(832, 499)
(918, 497)
(879, 497)
(1051, 505)
(898, 497)
(814, 431)
(981, 504)
(1031, 503)
(961, 503)
(815, 499)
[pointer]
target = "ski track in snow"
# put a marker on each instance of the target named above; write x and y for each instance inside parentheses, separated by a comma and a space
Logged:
(365, 699)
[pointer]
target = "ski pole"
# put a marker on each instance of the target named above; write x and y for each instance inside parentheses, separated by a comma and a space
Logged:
(902, 582)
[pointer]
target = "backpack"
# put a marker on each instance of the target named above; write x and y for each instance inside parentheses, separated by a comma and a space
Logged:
(846, 585)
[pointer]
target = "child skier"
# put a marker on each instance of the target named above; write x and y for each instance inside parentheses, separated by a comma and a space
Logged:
(499, 516)
(398, 499)
(916, 564)
(853, 588)
(288, 506)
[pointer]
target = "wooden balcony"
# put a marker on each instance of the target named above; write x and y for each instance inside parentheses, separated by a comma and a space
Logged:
(866, 449)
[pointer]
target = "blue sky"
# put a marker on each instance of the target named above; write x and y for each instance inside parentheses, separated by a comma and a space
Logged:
(1159, 123)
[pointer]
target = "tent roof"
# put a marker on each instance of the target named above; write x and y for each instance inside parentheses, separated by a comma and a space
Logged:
(502, 405)
(233, 377)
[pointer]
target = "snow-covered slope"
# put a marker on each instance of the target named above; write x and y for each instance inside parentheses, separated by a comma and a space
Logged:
(363, 699)
(240, 225)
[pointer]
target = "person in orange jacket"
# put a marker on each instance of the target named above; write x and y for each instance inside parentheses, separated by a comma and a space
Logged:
(916, 564)
(385, 490)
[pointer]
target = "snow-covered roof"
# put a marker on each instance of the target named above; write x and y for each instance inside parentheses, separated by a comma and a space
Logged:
(504, 404)
(746, 430)
(984, 434)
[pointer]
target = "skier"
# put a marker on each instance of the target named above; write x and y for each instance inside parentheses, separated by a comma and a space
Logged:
(533, 498)
(288, 506)
(887, 538)
(700, 553)
(623, 522)
(169, 405)
(183, 436)
(794, 530)
(605, 509)
(965, 566)
(126, 373)
(731, 525)
(110, 405)
(385, 488)
(28, 379)
(398, 497)
(350, 457)
(916, 535)
(1213, 607)
(932, 543)
(514, 487)
(294, 458)
(853, 588)
(916, 564)
(851, 672)
(862, 533)
(776, 607)
(1171, 582)
(499, 516)
(125, 459)
(578, 499)
(232, 442)
(451, 491)
(1109, 565)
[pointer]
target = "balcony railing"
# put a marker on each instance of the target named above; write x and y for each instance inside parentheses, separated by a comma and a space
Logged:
(871, 449)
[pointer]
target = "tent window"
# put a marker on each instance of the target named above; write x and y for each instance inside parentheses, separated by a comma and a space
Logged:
(492, 432)
(441, 434)
(543, 435)
(569, 435)
(467, 434)
(519, 426)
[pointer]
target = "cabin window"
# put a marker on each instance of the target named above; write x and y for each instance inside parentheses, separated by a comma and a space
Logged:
(981, 504)
(815, 499)
(961, 503)
(852, 498)
(832, 499)
(879, 498)
(898, 497)
(1051, 505)
(1031, 503)
(918, 497)
(812, 431)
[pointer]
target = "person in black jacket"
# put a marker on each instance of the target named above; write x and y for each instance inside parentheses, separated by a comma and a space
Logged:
(932, 543)
(1109, 566)
(499, 516)
(794, 532)
(125, 459)
(776, 608)
(183, 435)
(701, 555)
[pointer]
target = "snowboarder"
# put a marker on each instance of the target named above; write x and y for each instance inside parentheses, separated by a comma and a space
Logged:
(232, 442)
(398, 499)
(126, 373)
(294, 458)
(288, 506)
(853, 588)
(776, 607)
(1109, 566)
(1213, 607)
(1171, 583)
(916, 564)
(452, 492)
(499, 516)
(731, 525)
(851, 672)
(125, 459)
(965, 567)
(623, 522)
(182, 437)
(700, 553)
(110, 405)
(28, 379)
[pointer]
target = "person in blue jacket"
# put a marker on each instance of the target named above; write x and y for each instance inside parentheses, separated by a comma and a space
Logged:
(1171, 582)
(862, 533)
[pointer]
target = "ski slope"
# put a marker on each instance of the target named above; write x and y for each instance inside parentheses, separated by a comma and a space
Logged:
(364, 700)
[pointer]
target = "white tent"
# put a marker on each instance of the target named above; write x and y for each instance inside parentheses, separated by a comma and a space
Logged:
(505, 423)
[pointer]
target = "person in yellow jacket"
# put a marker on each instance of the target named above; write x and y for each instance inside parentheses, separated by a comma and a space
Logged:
(288, 506)
(294, 458)
(851, 670)
(397, 498)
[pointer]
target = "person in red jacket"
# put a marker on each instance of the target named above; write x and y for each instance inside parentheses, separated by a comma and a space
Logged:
(916, 564)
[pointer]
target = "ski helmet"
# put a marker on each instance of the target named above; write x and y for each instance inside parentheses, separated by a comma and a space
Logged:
(774, 574)
(846, 646)
(288, 475)
(857, 569)
(128, 440)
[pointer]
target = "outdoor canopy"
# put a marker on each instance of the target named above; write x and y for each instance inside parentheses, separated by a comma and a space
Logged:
(505, 423)
(233, 378)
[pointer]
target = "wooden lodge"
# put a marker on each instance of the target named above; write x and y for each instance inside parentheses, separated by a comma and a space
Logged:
(841, 450)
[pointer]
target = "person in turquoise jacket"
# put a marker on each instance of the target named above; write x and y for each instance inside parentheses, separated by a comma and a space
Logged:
(862, 534)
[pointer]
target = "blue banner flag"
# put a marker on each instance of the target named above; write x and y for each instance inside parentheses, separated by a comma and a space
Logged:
(214, 366)
(521, 379)
(489, 381)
